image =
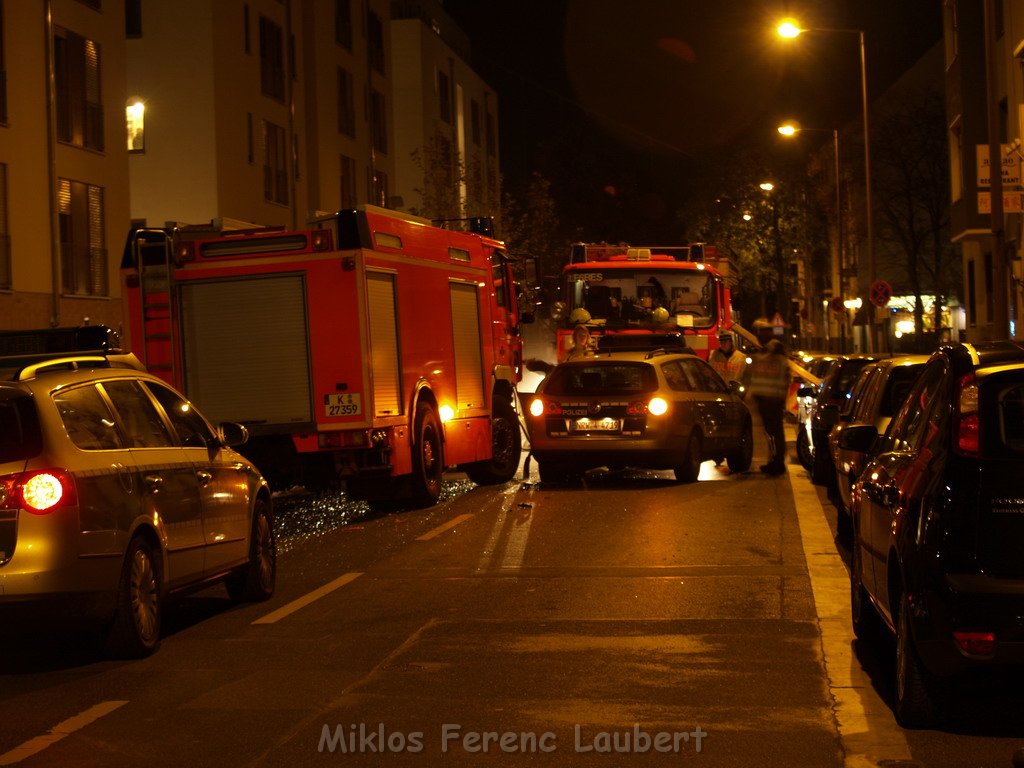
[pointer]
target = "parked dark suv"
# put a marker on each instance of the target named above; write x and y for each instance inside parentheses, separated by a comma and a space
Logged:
(830, 400)
(116, 493)
(938, 516)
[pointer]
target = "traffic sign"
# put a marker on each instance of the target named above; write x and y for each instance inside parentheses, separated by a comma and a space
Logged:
(881, 292)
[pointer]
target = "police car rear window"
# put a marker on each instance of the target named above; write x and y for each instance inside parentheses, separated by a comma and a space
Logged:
(20, 436)
(606, 379)
(1010, 411)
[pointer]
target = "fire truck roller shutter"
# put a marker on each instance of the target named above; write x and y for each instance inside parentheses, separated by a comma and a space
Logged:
(384, 363)
(224, 375)
(469, 374)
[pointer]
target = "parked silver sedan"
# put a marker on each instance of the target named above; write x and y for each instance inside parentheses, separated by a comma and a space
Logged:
(116, 493)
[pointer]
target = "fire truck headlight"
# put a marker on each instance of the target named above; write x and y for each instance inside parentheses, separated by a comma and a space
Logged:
(378, 437)
(657, 406)
(447, 413)
(537, 407)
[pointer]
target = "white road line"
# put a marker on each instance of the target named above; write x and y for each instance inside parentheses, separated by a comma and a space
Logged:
(499, 525)
(442, 528)
(59, 731)
(286, 610)
(866, 724)
(515, 547)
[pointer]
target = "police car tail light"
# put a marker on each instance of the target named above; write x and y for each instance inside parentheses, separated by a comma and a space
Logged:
(540, 407)
(657, 406)
(976, 643)
(968, 419)
(38, 492)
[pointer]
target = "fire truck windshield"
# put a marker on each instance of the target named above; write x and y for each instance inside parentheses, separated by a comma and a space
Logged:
(629, 296)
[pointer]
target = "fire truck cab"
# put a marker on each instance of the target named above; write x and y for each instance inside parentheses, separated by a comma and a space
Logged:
(679, 294)
(372, 346)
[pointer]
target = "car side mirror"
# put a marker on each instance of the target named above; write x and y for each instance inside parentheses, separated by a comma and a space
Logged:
(735, 386)
(858, 437)
(232, 434)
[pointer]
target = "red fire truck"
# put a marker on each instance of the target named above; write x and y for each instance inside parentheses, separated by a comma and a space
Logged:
(673, 292)
(373, 346)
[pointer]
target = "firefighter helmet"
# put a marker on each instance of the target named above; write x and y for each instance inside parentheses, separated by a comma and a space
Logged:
(579, 315)
(659, 315)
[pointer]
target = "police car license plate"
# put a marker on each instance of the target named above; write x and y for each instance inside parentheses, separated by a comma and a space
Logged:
(349, 404)
(597, 425)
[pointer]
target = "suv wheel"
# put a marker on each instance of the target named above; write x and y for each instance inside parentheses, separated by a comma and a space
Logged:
(740, 460)
(803, 448)
(916, 689)
(689, 470)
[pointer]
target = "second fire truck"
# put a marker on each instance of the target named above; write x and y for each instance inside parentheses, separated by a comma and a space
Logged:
(673, 292)
(373, 345)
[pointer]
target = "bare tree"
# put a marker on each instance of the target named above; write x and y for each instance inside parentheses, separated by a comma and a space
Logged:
(912, 194)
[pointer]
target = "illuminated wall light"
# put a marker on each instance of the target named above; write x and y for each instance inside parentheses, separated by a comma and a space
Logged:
(447, 413)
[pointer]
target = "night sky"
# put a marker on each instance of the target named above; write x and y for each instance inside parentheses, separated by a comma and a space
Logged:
(604, 97)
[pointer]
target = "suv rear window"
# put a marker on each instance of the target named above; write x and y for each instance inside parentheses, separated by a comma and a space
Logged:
(20, 436)
(603, 379)
(1010, 399)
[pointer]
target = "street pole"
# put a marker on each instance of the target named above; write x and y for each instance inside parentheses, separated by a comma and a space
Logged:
(868, 218)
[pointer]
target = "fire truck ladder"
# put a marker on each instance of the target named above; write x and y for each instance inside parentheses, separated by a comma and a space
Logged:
(153, 257)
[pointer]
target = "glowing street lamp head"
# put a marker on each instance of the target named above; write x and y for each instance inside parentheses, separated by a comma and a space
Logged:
(789, 129)
(767, 186)
(788, 28)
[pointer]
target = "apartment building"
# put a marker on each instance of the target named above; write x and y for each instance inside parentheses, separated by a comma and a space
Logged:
(446, 134)
(63, 165)
(990, 246)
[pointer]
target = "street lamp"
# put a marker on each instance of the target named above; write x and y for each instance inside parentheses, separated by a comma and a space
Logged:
(791, 129)
(789, 29)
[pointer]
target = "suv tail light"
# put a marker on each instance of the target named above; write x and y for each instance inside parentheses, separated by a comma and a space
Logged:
(976, 643)
(539, 407)
(39, 492)
(968, 419)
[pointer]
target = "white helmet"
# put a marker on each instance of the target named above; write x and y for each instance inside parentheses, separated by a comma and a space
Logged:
(579, 315)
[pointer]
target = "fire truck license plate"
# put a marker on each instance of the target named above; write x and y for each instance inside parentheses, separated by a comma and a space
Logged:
(343, 405)
(597, 425)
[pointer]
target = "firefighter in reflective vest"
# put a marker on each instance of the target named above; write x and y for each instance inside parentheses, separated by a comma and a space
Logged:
(769, 383)
(730, 363)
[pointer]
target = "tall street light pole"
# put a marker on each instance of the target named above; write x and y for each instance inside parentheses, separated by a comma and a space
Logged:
(789, 130)
(780, 264)
(790, 29)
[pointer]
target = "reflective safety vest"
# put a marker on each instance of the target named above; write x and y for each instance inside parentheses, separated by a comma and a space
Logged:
(769, 375)
(729, 368)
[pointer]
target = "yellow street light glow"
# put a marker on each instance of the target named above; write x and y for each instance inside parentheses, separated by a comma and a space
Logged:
(788, 28)
(789, 129)
(767, 186)
(658, 406)
(747, 217)
(853, 303)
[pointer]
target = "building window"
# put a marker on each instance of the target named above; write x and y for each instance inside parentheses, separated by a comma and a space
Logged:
(5, 236)
(246, 45)
(444, 96)
(343, 23)
(3, 70)
(375, 42)
(275, 163)
(378, 121)
(135, 115)
(474, 121)
(492, 139)
(271, 59)
(347, 179)
(83, 256)
(133, 18)
(346, 103)
(79, 103)
(250, 148)
(379, 188)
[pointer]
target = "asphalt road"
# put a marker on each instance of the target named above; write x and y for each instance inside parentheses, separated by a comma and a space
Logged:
(627, 620)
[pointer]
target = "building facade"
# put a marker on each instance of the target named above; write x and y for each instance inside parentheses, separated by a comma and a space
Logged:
(976, 46)
(63, 165)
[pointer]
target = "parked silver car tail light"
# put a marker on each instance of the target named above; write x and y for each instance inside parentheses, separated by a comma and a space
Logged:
(39, 492)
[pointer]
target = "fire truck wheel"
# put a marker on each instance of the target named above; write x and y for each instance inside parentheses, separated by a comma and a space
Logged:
(506, 447)
(427, 458)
